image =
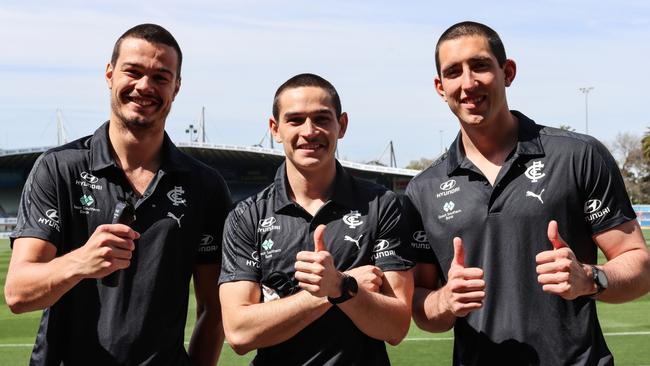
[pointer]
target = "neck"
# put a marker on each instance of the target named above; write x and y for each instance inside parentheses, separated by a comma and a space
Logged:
(135, 151)
(311, 188)
(492, 141)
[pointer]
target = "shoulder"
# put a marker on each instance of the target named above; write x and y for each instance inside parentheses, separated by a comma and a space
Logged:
(252, 206)
(560, 141)
(435, 172)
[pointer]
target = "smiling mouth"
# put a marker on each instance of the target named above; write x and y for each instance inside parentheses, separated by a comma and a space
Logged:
(310, 146)
(142, 102)
(473, 101)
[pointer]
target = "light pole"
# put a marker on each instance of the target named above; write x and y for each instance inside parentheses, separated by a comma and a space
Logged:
(193, 132)
(586, 91)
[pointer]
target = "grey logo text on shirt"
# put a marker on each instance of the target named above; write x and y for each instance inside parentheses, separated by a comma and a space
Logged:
(176, 196)
(534, 172)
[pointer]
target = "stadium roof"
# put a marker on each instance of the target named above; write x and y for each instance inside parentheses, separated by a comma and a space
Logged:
(209, 153)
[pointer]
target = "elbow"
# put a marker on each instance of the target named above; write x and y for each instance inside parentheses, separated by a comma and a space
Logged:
(16, 303)
(239, 343)
(431, 325)
(401, 332)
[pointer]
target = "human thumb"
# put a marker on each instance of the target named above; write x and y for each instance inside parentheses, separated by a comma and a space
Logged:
(554, 235)
(459, 252)
(319, 238)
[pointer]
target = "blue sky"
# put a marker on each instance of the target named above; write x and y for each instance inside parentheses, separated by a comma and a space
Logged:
(378, 54)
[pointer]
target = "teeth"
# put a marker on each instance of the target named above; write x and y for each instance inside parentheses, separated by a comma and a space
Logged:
(143, 102)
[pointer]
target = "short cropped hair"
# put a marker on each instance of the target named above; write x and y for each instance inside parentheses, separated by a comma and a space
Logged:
(152, 33)
(468, 28)
(303, 80)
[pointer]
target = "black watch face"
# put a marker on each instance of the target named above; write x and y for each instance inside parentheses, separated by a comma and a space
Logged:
(601, 279)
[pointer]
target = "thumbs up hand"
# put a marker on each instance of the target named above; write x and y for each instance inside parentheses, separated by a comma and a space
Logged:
(465, 288)
(315, 271)
(558, 270)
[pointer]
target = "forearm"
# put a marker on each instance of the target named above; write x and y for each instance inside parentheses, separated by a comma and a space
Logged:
(366, 307)
(428, 311)
(35, 286)
(265, 324)
(628, 276)
(207, 338)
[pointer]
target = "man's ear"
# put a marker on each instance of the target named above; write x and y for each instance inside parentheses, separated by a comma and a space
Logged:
(438, 83)
(177, 87)
(273, 127)
(510, 71)
(109, 75)
(343, 122)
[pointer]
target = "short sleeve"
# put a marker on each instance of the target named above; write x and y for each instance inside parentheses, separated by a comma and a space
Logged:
(414, 232)
(240, 251)
(389, 252)
(39, 212)
(606, 203)
(210, 245)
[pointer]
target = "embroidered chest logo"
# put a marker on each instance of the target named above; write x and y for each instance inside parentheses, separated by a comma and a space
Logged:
(352, 219)
(534, 172)
(447, 188)
(178, 219)
(176, 196)
(450, 211)
(267, 224)
(593, 210)
(267, 249)
(355, 241)
(88, 180)
(538, 196)
(87, 200)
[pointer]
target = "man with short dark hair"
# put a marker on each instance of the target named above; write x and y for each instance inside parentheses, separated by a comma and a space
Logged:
(508, 222)
(111, 228)
(330, 300)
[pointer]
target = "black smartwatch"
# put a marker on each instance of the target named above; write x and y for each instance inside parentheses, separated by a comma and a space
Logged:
(600, 279)
(349, 289)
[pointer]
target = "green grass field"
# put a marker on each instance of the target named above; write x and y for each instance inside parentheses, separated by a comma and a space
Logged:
(626, 327)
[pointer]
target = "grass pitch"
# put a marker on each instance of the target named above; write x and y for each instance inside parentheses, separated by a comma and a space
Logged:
(626, 328)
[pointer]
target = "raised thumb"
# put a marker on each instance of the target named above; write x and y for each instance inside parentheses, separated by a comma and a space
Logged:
(319, 238)
(554, 235)
(459, 252)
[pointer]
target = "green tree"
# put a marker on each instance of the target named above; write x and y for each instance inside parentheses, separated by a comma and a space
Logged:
(635, 169)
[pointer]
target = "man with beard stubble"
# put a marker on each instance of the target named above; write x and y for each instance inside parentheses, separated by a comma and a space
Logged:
(67, 240)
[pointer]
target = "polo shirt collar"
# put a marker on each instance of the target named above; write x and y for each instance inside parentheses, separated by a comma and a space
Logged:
(101, 156)
(528, 144)
(343, 188)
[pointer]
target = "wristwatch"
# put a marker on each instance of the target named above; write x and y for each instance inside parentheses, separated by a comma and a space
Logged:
(600, 278)
(349, 289)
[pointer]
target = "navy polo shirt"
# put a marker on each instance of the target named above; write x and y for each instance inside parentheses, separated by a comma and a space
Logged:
(551, 175)
(264, 233)
(74, 188)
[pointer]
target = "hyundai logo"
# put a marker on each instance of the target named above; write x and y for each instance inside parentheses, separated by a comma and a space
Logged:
(592, 206)
(448, 185)
(206, 239)
(89, 177)
(381, 245)
(420, 236)
(255, 256)
(267, 222)
(52, 214)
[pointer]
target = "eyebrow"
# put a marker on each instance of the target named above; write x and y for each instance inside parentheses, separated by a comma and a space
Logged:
(322, 111)
(139, 66)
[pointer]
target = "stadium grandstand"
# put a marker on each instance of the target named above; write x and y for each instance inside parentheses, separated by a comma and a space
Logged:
(246, 169)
